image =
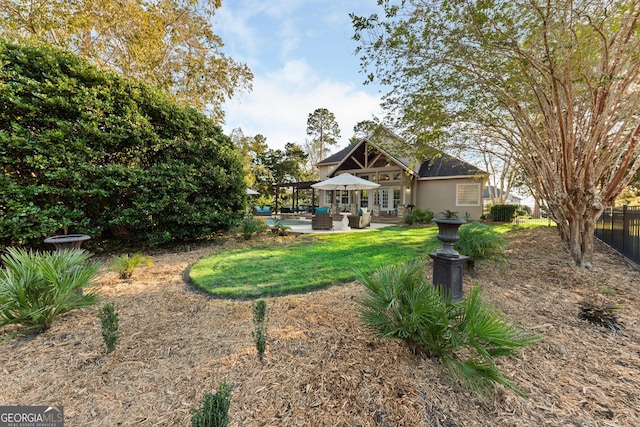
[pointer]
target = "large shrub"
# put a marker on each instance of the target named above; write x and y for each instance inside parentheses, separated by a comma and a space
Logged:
(89, 151)
(418, 216)
(465, 336)
(503, 213)
(38, 287)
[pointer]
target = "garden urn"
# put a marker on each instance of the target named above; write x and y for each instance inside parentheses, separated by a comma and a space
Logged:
(448, 235)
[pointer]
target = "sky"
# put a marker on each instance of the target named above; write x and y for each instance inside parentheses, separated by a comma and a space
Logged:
(302, 58)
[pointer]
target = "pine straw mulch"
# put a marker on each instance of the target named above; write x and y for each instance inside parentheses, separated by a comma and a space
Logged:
(322, 368)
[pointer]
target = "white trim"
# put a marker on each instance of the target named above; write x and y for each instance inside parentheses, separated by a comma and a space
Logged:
(478, 200)
(435, 178)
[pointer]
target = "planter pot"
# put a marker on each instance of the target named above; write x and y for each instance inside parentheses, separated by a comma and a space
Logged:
(448, 235)
(67, 241)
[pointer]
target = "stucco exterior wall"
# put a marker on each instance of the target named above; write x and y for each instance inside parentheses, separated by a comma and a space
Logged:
(439, 195)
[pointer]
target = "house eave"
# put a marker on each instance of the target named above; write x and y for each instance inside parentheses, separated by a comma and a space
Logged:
(436, 178)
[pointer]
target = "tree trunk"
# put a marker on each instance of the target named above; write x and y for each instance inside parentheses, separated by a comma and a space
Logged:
(580, 238)
(575, 240)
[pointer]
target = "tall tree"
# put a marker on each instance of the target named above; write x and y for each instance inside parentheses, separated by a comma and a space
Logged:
(323, 131)
(253, 151)
(169, 44)
(560, 78)
(363, 129)
(286, 165)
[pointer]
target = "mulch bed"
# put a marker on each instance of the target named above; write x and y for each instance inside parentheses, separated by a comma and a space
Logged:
(322, 367)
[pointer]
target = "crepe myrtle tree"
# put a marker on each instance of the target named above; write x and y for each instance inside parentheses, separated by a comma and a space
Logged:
(168, 44)
(558, 78)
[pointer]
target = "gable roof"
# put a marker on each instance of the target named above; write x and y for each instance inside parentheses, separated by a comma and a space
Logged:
(438, 167)
(445, 166)
(340, 155)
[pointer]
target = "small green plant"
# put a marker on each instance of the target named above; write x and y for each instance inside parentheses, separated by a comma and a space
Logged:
(283, 230)
(260, 316)
(250, 225)
(481, 242)
(602, 315)
(606, 290)
(418, 216)
(449, 214)
(38, 287)
(125, 264)
(109, 319)
(214, 411)
(464, 336)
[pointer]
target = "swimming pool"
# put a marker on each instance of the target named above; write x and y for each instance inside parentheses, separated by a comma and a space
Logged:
(289, 222)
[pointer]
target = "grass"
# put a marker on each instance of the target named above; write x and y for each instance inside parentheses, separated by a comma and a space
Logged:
(312, 262)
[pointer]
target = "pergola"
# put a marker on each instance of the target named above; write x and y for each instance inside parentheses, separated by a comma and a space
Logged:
(296, 186)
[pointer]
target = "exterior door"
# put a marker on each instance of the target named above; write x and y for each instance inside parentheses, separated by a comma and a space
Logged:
(384, 199)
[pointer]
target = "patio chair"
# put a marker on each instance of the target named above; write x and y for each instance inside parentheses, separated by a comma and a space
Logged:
(321, 221)
(360, 221)
(262, 211)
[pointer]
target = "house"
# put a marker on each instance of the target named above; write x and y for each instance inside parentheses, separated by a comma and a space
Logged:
(438, 184)
(510, 198)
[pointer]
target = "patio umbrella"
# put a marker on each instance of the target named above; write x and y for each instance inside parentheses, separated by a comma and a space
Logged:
(251, 192)
(345, 181)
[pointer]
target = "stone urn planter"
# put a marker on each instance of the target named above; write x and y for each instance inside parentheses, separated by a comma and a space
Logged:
(448, 235)
(67, 241)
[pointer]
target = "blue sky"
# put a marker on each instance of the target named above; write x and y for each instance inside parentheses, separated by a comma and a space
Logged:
(302, 57)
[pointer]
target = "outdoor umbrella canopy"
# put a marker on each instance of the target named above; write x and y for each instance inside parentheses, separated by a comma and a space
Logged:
(345, 181)
(251, 192)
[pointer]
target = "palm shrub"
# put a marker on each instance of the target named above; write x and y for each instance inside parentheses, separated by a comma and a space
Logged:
(418, 216)
(250, 225)
(481, 242)
(214, 411)
(125, 264)
(466, 336)
(38, 287)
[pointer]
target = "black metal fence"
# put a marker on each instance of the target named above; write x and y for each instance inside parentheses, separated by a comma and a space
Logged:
(520, 214)
(619, 227)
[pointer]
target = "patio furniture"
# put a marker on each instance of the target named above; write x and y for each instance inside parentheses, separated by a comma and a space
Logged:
(321, 221)
(262, 210)
(360, 221)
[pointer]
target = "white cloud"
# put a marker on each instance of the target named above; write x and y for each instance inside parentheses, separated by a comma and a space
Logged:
(280, 103)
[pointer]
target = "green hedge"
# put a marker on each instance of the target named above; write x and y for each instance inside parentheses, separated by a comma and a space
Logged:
(89, 151)
(503, 213)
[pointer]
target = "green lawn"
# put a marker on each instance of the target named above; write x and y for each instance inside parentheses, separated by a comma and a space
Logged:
(311, 262)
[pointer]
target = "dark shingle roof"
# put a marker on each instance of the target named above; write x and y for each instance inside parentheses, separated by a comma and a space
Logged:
(440, 166)
(339, 156)
(445, 165)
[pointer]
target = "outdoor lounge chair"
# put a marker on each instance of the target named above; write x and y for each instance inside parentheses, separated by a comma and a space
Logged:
(360, 221)
(321, 221)
(262, 211)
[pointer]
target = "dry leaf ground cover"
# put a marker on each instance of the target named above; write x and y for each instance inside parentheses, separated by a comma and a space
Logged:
(322, 368)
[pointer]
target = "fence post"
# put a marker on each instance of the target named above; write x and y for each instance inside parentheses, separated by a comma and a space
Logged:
(625, 228)
(612, 224)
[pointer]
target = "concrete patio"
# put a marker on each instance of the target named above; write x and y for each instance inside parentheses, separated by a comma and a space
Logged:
(302, 225)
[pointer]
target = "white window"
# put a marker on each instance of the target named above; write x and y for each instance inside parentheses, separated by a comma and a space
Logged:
(396, 197)
(342, 197)
(364, 198)
(468, 195)
(328, 197)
